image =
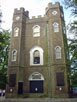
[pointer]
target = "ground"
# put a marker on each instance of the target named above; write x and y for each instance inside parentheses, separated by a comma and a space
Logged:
(3, 99)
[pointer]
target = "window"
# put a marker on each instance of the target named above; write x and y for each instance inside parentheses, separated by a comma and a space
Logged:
(36, 31)
(60, 78)
(54, 13)
(16, 31)
(12, 80)
(56, 27)
(36, 56)
(58, 52)
(14, 55)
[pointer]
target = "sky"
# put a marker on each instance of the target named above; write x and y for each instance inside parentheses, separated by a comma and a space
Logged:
(35, 8)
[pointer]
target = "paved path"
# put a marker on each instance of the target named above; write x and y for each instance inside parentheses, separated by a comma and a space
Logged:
(3, 99)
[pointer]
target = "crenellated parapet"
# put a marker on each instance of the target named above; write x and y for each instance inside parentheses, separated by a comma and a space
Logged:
(52, 6)
(20, 15)
(21, 11)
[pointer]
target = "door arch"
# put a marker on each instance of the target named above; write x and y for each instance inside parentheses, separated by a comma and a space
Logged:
(36, 83)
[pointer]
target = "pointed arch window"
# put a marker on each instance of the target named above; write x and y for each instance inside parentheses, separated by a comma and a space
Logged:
(56, 27)
(36, 31)
(36, 56)
(14, 55)
(58, 52)
(16, 31)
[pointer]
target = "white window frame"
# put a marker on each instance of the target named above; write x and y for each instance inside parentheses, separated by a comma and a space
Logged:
(41, 56)
(16, 31)
(14, 55)
(56, 27)
(58, 52)
(36, 31)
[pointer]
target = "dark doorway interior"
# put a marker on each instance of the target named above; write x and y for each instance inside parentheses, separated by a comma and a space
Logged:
(20, 87)
(36, 86)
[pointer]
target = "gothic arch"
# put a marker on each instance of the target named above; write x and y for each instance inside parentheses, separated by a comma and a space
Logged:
(36, 31)
(14, 55)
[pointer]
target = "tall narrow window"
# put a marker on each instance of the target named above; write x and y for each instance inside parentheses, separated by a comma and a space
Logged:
(14, 55)
(60, 78)
(16, 31)
(36, 31)
(36, 57)
(56, 27)
(58, 52)
(12, 80)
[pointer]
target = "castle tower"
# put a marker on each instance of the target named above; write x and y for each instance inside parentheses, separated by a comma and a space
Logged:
(16, 61)
(37, 59)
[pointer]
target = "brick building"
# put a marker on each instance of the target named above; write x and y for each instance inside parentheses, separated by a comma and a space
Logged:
(37, 63)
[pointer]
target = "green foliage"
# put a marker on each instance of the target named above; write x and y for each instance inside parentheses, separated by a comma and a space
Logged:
(72, 29)
(72, 4)
(3, 79)
(74, 79)
(4, 48)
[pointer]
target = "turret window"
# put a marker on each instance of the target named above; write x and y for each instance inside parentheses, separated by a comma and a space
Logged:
(36, 31)
(58, 52)
(16, 31)
(56, 27)
(14, 55)
(54, 13)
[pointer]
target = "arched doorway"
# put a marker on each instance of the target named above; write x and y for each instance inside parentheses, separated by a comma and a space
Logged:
(36, 83)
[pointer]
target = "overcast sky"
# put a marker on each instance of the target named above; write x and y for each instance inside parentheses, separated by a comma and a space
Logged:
(35, 7)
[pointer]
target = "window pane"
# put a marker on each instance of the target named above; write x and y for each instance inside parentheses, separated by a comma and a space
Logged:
(36, 60)
(14, 55)
(16, 31)
(36, 31)
(36, 57)
(36, 53)
(12, 80)
(56, 27)
(60, 78)
(58, 52)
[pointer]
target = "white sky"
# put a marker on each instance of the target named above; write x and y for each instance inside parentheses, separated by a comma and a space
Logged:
(35, 7)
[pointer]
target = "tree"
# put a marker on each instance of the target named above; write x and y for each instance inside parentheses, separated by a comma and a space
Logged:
(72, 28)
(4, 48)
(74, 79)
(72, 4)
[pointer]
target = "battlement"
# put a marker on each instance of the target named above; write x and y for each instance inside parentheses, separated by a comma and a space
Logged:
(21, 10)
(36, 17)
(50, 5)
